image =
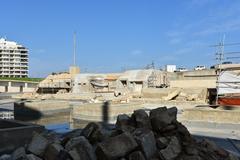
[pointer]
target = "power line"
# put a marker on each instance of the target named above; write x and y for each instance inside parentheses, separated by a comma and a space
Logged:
(232, 57)
(232, 52)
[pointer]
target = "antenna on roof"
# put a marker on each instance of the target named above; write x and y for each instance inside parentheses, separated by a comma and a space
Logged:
(74, 49)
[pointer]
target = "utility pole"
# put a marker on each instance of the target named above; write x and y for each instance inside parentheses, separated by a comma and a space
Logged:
(220, 52)
(219, 58)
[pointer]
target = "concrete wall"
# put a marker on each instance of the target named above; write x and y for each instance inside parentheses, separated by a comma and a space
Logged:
(17, 86)
(93, 112)
(214, 115)
(46, 106)
(201, 83)
(157, 92)
(193, 79)
(42, 112)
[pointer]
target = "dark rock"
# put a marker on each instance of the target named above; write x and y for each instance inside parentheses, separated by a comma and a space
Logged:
(32, 157)
(233, 157)
(124, 123)
(162, 142)
(191, 150)
(141, 119)
(73, 142)
(38, 145)
(160, 118)
(172, 112)
(70, 135)
(52, 137)
(137, 155)
(127, 128)
(19, 154)
(192, 157)
(115, 132)
(116, 147)
(211, 148)
(52, 151)
(222, 153)
(64, 155)
(83, 150)
(123, 120)
(5, 157)
(145, 139)
(93, 132)
(184, 134)
(172, 151)
(209, 145)
(169, 128)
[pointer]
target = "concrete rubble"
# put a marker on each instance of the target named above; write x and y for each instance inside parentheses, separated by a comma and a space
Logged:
(156, 135)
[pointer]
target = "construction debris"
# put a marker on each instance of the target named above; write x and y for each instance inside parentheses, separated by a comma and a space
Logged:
(143, 136)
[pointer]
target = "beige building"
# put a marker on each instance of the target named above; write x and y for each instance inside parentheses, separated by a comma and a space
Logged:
(13, 59)
(17, 86)
(132, 81)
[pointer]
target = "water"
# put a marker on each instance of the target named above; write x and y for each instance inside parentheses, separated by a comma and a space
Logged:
(59, 128)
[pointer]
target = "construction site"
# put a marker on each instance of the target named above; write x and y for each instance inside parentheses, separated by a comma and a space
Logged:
(137, 114)
(150, 113)
(80, 102)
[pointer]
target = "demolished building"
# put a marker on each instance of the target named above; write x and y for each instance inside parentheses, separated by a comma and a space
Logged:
(131, 81)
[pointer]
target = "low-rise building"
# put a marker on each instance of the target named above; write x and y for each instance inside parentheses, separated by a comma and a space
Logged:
(170, 68)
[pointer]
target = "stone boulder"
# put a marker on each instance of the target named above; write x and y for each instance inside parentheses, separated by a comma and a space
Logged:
(82, 150)
(38, 145)
(172, 150)
(160, 118)
(52, 151)
(162, 142)
(124, 123)
(137, 155)
(116, 147)
(146, 140)
(32, 157)
(141, 119)
(19, 154)
(93, 132)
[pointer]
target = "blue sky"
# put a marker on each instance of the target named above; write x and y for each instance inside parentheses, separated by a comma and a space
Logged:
(119, 34)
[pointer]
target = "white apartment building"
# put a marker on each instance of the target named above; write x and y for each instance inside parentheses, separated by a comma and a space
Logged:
(13, 59)
(170, 68)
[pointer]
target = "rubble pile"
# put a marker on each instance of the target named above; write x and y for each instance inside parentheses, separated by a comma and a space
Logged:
(156, 135)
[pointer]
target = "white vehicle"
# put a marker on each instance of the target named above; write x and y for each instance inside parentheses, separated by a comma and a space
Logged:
(199, 68)
(181, 69)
